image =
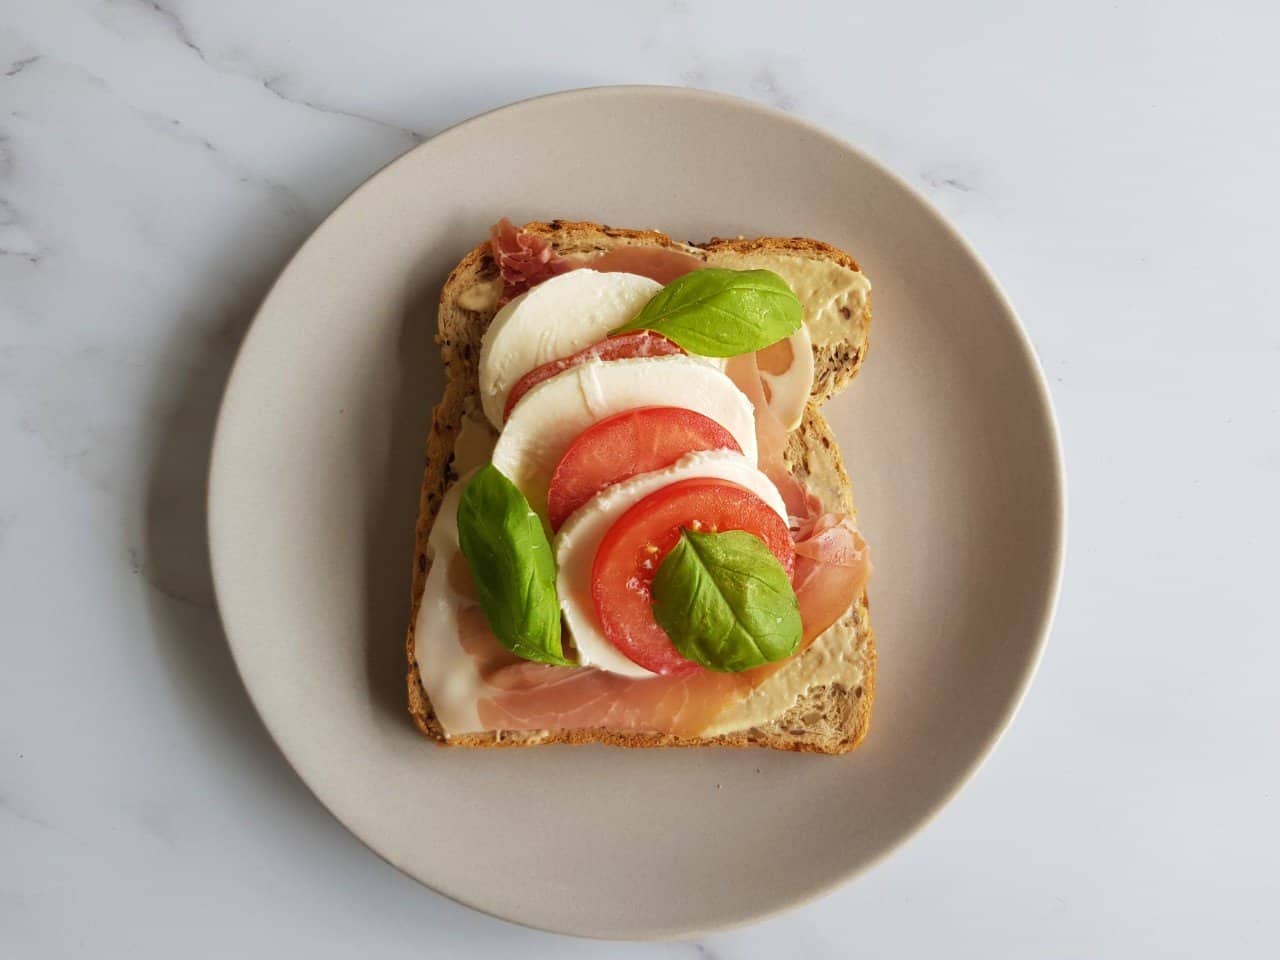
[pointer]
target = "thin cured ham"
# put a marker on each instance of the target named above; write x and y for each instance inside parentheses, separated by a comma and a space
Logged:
(832, 567)
(575, 698)
(656, 263)
(771, 440)
(832, 559)
(522, 695)
(526, 259)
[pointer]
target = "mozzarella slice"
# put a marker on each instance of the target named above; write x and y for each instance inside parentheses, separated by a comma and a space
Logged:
(579, 540)
(551, 415)
(558, 317)
(786, 373)
(447, 671)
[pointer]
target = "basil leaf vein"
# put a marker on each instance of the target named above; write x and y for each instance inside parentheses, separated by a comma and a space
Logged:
(506, 548)
(726, 602)
(722, 313)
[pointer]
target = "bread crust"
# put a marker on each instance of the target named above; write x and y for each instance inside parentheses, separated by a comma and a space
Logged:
(843, 715)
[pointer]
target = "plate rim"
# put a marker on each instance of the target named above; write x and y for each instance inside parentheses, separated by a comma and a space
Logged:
(1049, 424)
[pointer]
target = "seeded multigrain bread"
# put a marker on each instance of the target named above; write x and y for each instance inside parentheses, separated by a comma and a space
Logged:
(826, 717)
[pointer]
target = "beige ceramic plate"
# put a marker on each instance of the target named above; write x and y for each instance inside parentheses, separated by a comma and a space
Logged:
(948, 435)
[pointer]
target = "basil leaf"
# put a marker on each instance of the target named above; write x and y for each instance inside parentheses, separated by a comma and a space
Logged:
(722, 313)
(511, 562)
(725, 601)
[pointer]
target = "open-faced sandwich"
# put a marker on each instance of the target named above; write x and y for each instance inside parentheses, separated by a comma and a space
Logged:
(635, 525)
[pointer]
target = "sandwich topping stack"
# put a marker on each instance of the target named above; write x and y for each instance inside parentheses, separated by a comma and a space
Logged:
(635, 524)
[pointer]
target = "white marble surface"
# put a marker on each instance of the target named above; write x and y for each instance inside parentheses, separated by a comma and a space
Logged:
(1116, 164)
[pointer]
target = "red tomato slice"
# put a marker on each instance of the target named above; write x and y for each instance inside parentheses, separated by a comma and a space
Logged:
(641, 343)
(636, 544)
(631, 442)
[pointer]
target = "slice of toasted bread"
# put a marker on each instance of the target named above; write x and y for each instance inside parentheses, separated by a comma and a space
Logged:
(825, 717)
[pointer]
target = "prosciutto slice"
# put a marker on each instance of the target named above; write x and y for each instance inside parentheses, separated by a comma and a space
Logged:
(527, 259)
(522, 695)
(656, 263)
(832, 560)
(524, 259)
(771, 440)
(832, 566)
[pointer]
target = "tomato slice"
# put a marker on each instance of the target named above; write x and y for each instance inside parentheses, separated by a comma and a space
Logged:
(625, 346)
(627, 443)
(632, 550)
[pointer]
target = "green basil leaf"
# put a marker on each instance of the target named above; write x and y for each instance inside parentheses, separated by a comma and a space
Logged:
(725, 601)
(722, 313)
(506, 547)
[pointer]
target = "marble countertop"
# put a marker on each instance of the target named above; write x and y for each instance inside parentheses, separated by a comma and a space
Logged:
(1114, 163)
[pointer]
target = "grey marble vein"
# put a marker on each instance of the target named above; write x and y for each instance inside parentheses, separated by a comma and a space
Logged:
(768, 86)
(700, 949)
(275, 84)
(278, 86)
(947, 181)
(169, 16)
(17, 66)
(10, 808)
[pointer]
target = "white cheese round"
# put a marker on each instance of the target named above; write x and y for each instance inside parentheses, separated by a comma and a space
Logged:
(557, 318)
(448, 673)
